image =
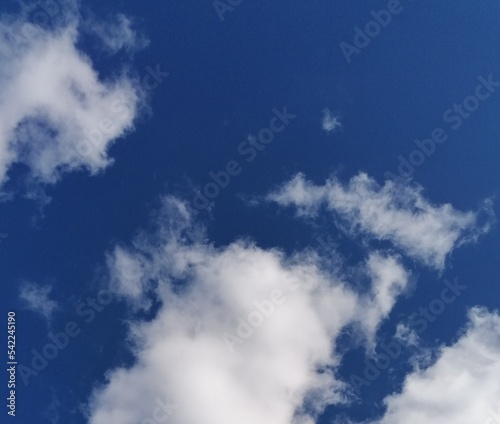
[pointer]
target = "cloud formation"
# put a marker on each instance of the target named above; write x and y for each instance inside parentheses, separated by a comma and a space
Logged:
(330, 122)
(461, 387)
(239, 328)
(119, 34)
(394, 212)
(37, 299)
(56, 113)
(242, 328)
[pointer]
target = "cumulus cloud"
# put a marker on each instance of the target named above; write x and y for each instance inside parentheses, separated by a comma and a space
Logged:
(57, 114)
(395, 212)
(242, 328)
(239, 328)
(330, 122)
(461, 387)
(37, 299)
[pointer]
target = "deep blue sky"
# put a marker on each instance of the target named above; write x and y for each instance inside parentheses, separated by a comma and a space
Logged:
(224, 80)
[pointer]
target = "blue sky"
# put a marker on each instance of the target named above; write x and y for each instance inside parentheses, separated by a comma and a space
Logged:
(253, 211)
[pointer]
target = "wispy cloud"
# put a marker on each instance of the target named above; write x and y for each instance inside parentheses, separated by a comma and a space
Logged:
(36, 297)
(118, 34)
(406, 335)
(395, 212)
(330, 121)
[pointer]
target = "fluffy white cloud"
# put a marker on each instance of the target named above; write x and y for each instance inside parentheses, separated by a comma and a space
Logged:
(56, 113)
(330, 122)
(239, 328)
(393, 212)
(461, 387)
(37, 299)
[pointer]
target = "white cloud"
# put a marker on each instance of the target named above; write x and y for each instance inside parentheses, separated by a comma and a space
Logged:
(56, 113)
(128, 280)
(239, 328)
(461, 387)
(119, 34)
(330, 122)
(406, 335)
(37, 299)
(393, 212)
(389, 280)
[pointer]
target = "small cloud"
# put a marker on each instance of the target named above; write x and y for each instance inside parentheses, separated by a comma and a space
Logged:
(51, 412)
(119, 34)
(36, 298)
(407, 336)
(330, 121)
